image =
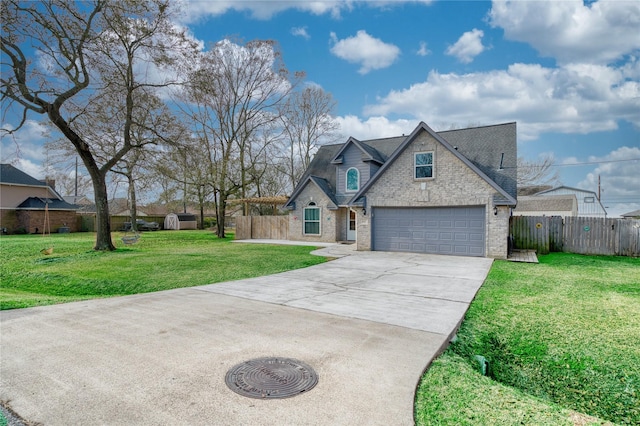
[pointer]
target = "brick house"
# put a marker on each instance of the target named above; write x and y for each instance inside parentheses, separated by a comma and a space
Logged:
(23, 199)
(449, 192)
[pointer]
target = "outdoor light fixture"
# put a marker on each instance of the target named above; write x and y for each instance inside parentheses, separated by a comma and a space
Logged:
(495, 210)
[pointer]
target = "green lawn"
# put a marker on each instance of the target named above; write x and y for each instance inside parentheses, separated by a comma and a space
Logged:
(561, 337)
(159, 261)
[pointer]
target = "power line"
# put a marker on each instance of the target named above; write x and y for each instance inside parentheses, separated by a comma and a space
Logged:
(584, 163)
(594, 162)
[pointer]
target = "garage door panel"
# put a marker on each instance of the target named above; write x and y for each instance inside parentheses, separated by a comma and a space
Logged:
(445, 236)
(441, 230)
(462, 237)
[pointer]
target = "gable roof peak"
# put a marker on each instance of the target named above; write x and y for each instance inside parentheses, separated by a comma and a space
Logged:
(368, 152)
(507, 199)
(564, 187)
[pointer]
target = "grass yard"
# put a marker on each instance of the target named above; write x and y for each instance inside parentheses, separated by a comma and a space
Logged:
(161, 260)
(561, 337)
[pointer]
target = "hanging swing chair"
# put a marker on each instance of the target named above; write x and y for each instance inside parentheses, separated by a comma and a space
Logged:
(128, 239)
(46, 229)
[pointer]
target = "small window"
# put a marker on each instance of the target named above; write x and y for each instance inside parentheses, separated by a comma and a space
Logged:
(311, 220)
(423, 165)
(589, 199)
(353, 180)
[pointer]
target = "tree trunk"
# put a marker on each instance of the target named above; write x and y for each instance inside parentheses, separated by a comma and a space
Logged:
(98, 177)
(133, 214)
(103, 225)
(221, 209)
(201, 215)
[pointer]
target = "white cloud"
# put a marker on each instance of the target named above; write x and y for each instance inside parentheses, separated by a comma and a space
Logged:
(468, 46)
(572, 31)
(300, 32)
(423, 51)
(374, 127)
(371, 53)
(573, 99)
(25, 146)
(619, 180)
(263, 10)
(195, 10)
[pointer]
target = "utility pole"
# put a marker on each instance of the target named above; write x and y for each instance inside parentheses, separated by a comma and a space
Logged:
(598, 187)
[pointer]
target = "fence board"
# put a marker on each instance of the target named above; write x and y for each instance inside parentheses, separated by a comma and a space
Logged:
(243, 228)
(530, 232)
(556, 227)
(590, 235)
(262, 227)
(629, 241)
(582, 235)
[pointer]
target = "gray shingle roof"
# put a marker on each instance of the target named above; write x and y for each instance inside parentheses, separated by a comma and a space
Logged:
(635, 213)
(11, 175)
(37, 203)
(482, 146)
(321, 165)
(551, 203)
(485, 146)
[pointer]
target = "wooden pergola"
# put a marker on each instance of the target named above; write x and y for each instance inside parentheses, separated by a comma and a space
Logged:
(278, 200)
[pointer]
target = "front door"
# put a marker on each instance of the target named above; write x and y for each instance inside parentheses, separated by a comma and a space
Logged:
(351, 226)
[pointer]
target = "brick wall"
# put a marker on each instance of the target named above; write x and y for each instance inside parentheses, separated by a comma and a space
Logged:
(453, 184)
(33, 220)
(328, 218)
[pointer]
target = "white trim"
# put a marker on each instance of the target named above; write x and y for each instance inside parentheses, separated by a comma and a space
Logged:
(355, 231)
(415, 166)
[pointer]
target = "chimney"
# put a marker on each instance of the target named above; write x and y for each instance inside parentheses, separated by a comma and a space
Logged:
(50, 182)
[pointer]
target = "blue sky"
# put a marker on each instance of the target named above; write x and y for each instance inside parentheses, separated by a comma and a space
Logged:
(567, 72)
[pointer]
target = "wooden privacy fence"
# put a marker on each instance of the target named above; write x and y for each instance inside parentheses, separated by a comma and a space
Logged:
(582, 235)
(262, 227)
(87, 223)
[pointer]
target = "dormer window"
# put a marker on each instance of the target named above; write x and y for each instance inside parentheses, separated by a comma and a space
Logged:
(353, 180)
(423, 165)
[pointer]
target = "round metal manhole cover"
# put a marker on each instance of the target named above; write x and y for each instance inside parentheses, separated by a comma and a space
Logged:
(266, 378)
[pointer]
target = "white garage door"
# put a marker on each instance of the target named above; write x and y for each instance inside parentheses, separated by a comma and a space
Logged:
(440, 230)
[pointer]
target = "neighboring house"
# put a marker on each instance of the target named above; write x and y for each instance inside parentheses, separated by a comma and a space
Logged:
(525, 191)
(588, 203)
(445, 192)
(117, 207)
(552, 205)
(85, 205)
(632, 215)
(24, 200)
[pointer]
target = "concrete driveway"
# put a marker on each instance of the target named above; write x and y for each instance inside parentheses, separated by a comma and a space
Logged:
(368, 323)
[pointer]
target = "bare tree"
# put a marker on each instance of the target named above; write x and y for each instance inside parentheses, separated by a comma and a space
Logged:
(307, 119)
(537, 173)
(80, 51)
(186, 165)
(233, 91)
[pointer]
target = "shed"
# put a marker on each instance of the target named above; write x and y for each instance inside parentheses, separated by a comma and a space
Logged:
(180, 221)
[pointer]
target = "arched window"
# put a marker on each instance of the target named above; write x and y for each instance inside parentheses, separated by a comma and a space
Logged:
(353, 180)
(311, 222)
